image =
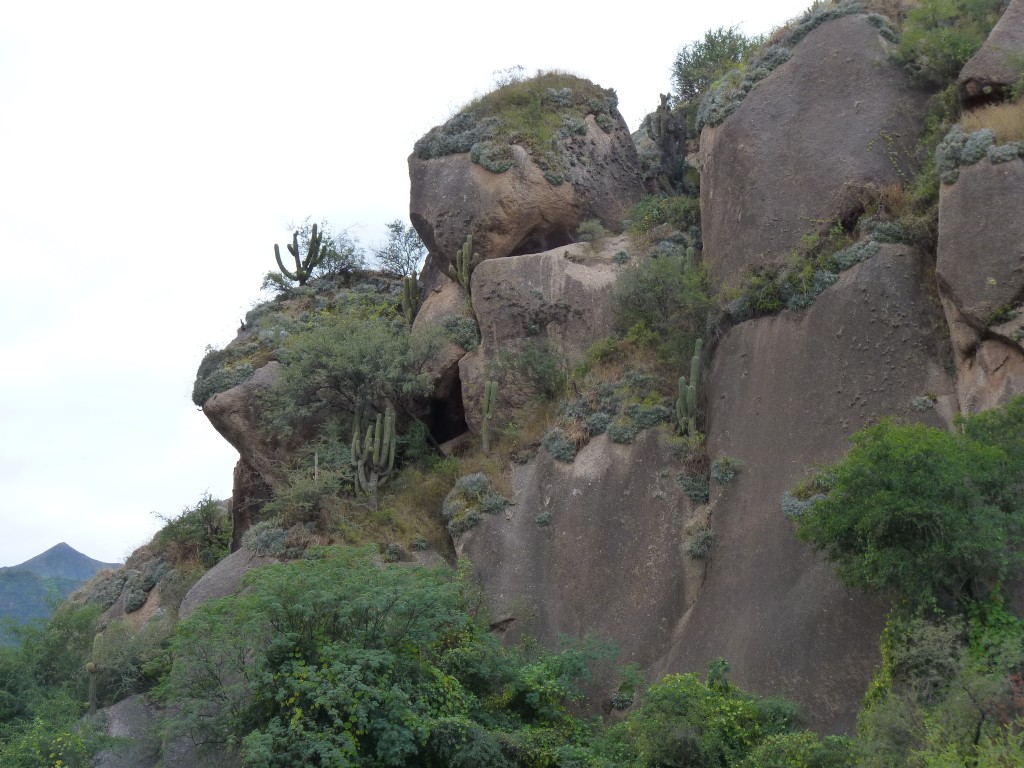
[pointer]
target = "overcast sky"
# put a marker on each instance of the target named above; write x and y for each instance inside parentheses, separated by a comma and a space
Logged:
(150, 157)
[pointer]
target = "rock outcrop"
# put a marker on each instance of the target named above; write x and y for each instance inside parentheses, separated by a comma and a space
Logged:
(225, 578)
(994, 69)
(558, 301)
(980, 270)
(536, 199)
(785, 393)
(805, 146)
(597, 546)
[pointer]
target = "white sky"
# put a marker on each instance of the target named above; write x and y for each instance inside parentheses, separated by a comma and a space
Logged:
(150, 157)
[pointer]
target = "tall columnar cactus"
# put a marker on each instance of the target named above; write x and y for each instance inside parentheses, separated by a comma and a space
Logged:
(490, 398)
(303, 266)
(92, 667)
(373, 456)
(410, 297)
(686, 402)
(462, 269)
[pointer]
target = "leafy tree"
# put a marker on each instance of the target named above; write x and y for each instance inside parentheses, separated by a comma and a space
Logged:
(699, 64)
(403, 252)
(926, 514)
(333, 660)
(348, 360)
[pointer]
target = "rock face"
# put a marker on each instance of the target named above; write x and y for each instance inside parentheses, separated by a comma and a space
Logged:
(611, 560)
(235, 414)
(996, 67)
(138, 721)
(539, 200)
(558, 301)
(222, 580)
(804, 144)
(980, 269)
(785, 393)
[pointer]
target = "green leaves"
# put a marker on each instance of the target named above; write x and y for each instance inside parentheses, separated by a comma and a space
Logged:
(923, 513)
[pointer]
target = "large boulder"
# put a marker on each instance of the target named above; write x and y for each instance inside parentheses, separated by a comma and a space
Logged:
(785, 393)
(558, 301)
(994, 69)
(236, 415)
(136, 722)
(805, 146)
(225, 578)
(479, 174)
(593, 547)
(980, 270)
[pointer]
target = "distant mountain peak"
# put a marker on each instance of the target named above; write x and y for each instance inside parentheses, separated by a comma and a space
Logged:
(63, 561)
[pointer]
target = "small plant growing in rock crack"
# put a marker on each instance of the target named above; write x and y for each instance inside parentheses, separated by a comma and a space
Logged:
(724, 469)
(694, 486)
(699, 547)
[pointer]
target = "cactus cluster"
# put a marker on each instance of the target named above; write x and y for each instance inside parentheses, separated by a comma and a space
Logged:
(303, 266)
(462, 269)
(686, 403)
(373, 456)
(490, 397)
(410, 297)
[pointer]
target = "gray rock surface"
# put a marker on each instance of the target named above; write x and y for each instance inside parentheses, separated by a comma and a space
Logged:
(137, 721)
(235, 415)
(611, 560)
(520, 211)
(994, 69)
(785, 393)
(559, 298)
(803, 145)
(225, 578)
(980, 263)
(980, 270)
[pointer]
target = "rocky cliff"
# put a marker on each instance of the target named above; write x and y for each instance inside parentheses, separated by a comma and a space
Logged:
(605, 533)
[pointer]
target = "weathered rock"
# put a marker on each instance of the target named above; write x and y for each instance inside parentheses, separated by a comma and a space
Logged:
(138, 722)
(804, 145)
(980, 264)
(225, 578)
(994, 69)
(558, 300)
(980, 269)
(785, 392)
(610, 560)
(591, 171)
(235, 414)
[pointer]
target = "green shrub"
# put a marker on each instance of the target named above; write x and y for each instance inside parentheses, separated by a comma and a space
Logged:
(923, 513)
(200, 533)
(940, 36)
(694, 486)
(724, 469)
(699, 547)
(540, 366)
(470, 499)
(558, 444)
(699, 64)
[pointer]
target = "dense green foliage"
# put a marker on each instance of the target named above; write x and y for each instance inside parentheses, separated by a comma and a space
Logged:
(926, 514)
(200, 533)
(699, 64)
(42, 690)
(940, 36)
